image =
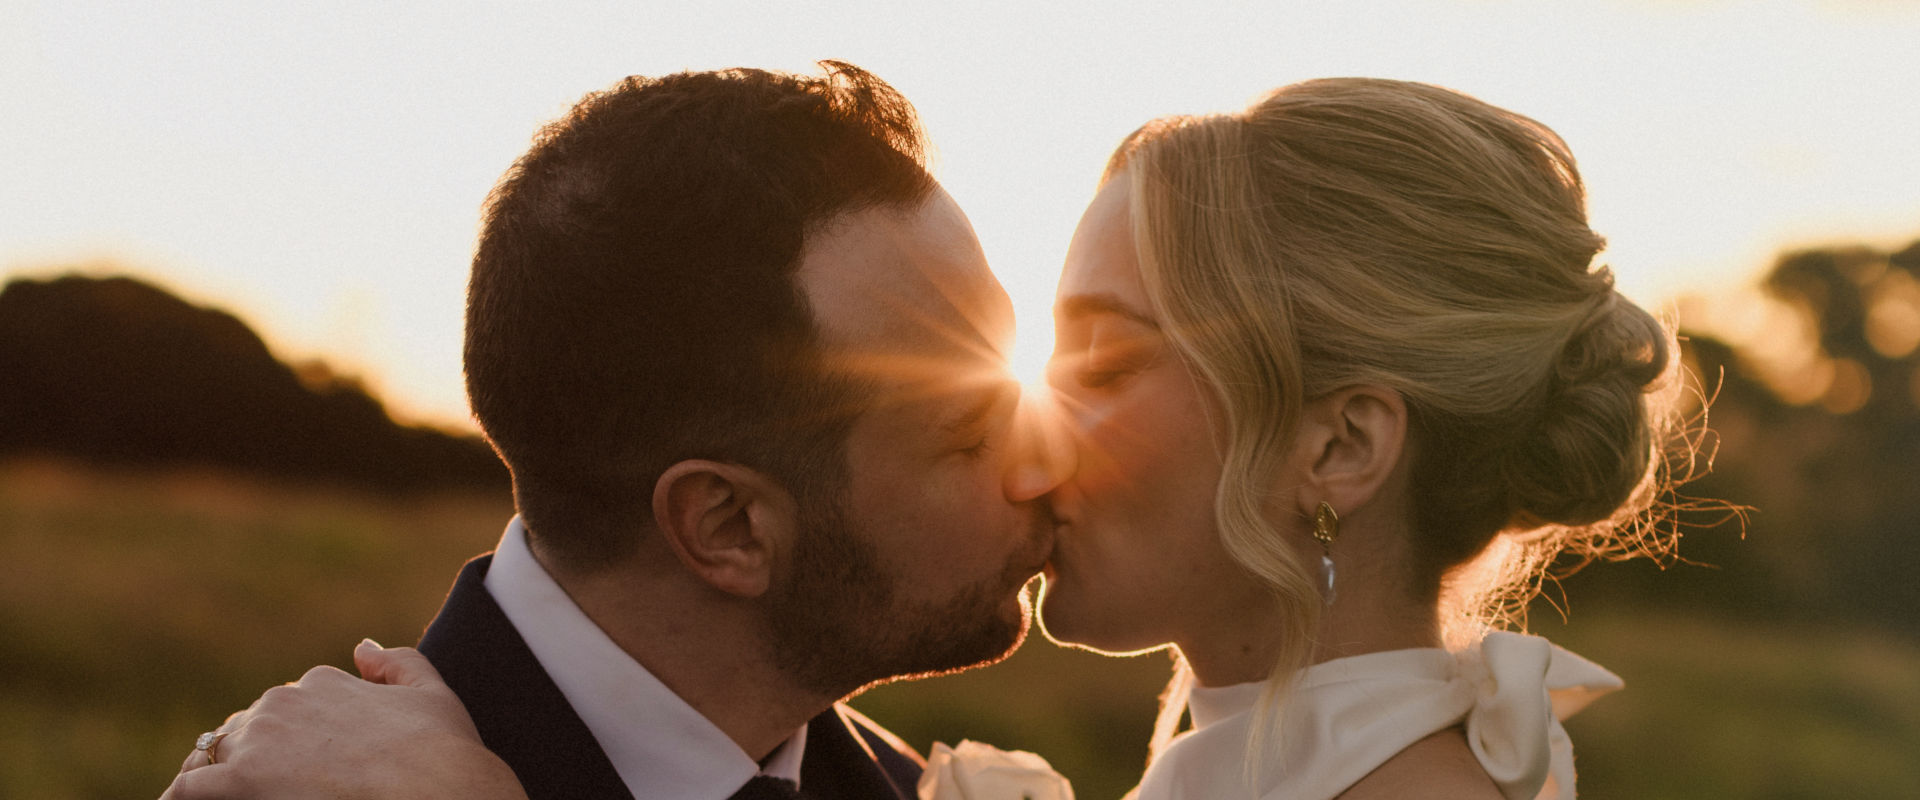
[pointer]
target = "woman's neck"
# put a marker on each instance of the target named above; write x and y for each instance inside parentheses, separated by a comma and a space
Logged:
(1372, 612)
(1356, 624)
(1374, 607)
(1372, 617)
(1235, 638)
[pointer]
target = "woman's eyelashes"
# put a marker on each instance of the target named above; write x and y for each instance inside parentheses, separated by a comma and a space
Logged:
(1112, 356)
(1097, 378)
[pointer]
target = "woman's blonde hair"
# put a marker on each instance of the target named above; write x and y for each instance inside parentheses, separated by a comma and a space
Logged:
(1355, 231)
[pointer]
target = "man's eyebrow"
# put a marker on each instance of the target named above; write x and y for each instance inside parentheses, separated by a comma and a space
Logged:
(1086, 305)
(979, 404)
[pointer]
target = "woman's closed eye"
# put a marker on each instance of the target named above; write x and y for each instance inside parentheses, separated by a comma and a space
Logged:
(1089, 378)
(1112, 356)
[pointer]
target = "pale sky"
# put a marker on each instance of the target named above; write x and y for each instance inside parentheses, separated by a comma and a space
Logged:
(318, 167)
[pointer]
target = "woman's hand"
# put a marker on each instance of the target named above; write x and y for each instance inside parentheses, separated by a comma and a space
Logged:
(401, 733)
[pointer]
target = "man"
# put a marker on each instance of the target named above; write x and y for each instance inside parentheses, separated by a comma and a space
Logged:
(745, 361)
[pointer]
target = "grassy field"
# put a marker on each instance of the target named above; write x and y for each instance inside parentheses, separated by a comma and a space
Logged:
(138, 610)
(1713, 710)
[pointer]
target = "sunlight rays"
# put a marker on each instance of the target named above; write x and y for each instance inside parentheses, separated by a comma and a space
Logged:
(1032, 346)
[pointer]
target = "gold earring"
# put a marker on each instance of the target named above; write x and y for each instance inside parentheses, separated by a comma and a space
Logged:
(1326, 528)
(1326, 524)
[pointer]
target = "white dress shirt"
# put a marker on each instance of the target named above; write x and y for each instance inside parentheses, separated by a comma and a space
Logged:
(660, 746)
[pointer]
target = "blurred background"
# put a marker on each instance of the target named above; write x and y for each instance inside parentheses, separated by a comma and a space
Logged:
(234, 242)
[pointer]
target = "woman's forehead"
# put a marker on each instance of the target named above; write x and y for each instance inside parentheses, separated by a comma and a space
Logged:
(1102, 260)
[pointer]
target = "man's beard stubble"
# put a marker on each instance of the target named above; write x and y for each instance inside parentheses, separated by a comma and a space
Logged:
(836, 626)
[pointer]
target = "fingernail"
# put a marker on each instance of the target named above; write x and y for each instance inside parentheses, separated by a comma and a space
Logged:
(368, 643)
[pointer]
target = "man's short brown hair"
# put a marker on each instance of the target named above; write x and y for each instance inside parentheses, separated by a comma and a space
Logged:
(633, 301)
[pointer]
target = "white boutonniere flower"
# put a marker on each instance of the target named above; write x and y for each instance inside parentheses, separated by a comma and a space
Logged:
(975, 771)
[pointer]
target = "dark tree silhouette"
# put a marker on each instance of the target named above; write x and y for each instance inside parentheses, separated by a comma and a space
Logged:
(118, 371)
(1834, 483)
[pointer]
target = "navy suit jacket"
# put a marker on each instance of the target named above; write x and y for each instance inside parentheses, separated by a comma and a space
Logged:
(524, 719)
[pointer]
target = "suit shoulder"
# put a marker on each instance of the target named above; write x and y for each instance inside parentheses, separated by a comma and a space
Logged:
(875, 735)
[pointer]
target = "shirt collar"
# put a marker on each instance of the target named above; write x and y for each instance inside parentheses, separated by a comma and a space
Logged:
(1207, 705)
(660, 746)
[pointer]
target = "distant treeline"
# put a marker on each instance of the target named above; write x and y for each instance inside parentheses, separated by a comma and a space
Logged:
(119, 372)
(1821, 439)
(1823, 446)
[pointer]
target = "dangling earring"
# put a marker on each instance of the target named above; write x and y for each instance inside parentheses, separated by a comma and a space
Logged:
(1326, 528)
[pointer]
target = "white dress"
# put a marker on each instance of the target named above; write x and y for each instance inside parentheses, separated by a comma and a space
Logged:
(1348, 716)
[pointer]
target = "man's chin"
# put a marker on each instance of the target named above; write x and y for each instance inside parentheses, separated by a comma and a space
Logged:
(986, 650)
(1018, 614)
(1000, 633)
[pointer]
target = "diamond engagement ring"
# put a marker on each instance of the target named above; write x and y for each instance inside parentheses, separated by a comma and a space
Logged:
(207, 742)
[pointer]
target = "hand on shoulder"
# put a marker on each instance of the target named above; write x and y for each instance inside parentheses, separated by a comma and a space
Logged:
(400, 733)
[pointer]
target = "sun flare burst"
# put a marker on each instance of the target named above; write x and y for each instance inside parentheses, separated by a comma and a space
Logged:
(1032, 345)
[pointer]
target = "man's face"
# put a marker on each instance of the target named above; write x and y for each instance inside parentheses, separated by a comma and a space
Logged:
(921, 567)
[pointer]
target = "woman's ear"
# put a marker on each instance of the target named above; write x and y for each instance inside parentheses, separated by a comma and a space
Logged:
(727, 523)
(1353, 439)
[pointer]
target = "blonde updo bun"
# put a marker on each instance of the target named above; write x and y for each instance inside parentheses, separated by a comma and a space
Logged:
(1589, 447)
(1355, 231)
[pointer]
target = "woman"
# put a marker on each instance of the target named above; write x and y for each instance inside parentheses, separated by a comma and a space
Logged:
(1342, 359)
(1344, 382)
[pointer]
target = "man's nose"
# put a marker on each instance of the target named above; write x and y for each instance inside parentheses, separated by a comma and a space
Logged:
(1043, 453)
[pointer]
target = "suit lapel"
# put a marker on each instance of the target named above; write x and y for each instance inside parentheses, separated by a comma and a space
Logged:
(525, 719)
(521, 714)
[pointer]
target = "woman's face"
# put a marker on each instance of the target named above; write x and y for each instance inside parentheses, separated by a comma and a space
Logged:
(1137, 561)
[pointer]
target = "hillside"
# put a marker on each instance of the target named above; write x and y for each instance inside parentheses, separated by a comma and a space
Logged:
(116, 371)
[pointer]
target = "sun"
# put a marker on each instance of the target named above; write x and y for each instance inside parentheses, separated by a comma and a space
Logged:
(1032, 345)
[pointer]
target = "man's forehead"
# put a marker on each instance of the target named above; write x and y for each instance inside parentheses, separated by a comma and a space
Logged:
(904, 294)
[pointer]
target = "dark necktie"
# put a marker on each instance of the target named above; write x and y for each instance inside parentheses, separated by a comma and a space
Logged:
(767, 787)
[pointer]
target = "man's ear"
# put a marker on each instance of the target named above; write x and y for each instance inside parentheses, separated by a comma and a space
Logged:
(727, 523)
(1353, 439)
